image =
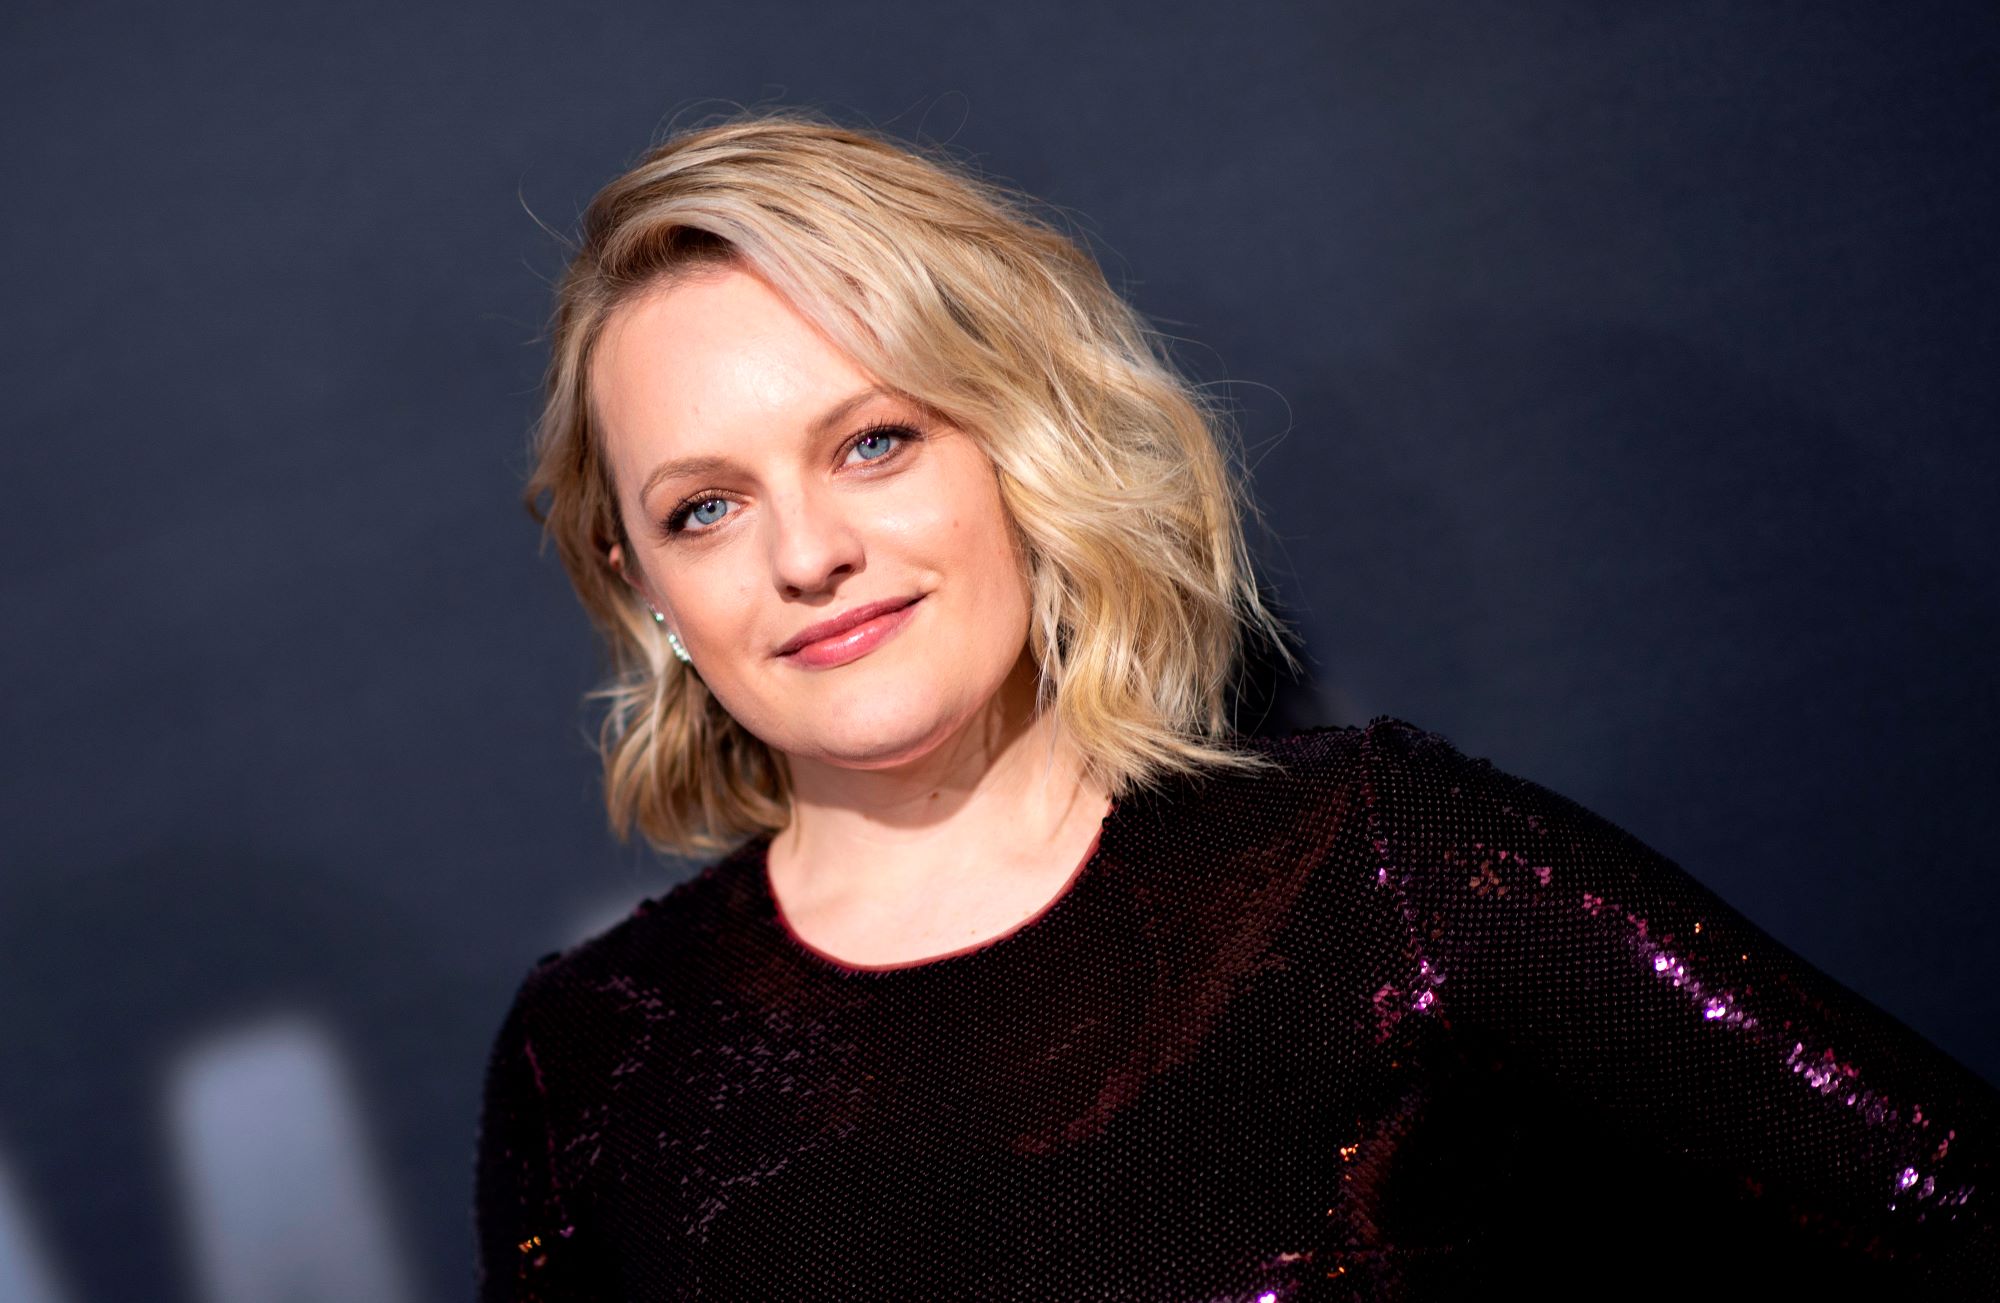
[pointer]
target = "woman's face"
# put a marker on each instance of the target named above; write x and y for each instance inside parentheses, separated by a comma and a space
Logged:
(771, 489)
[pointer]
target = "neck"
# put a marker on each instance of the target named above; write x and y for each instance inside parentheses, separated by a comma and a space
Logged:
(1004, 790)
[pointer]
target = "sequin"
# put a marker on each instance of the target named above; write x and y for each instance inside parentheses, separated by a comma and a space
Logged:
(1395, 1024)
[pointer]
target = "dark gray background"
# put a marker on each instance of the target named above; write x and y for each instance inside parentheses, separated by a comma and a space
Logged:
(1619, 380)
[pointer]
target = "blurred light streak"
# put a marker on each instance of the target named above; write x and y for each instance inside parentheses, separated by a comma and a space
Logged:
(283, 1203)
(26, 1275)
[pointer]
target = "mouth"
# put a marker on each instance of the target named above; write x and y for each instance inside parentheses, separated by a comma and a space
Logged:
(849, 635)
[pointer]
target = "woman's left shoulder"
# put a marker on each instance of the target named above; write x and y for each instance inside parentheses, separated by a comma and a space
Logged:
(1403, 778)
(1288, 774)
(1310, 787)
(1305, 778)
(1337, 755)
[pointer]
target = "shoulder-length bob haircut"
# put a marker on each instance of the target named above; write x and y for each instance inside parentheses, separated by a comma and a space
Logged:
(958, 294)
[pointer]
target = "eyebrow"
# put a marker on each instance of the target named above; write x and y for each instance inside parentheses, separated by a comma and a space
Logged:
(711, 464)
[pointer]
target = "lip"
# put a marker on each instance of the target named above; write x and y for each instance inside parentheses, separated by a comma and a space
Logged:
(849, 635)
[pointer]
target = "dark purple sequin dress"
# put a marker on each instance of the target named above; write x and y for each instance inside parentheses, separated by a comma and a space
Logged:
(1391, 1024)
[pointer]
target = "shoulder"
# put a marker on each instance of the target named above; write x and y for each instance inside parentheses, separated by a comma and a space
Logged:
(1347, 756)
(1406, 768)
(1303, 794)
(1411, 786)
(1421, 787)
(1338, 747)
(660, 937)
(1312, 776)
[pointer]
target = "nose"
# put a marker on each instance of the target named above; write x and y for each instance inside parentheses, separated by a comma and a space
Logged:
(813, 543)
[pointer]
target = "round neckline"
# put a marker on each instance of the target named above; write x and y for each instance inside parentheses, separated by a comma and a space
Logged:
(774, 913)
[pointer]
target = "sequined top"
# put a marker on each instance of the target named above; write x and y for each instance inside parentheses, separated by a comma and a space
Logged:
(1387, 1023)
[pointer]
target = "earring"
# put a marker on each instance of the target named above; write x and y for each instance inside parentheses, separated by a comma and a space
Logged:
(673, 639)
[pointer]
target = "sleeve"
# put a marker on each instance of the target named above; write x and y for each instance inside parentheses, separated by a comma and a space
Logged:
(1647, 999)
(528, 1249)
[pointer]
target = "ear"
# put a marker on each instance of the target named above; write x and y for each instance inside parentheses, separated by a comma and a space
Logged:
(615, 557)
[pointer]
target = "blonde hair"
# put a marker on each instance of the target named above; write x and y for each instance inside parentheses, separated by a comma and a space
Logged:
(958, 294)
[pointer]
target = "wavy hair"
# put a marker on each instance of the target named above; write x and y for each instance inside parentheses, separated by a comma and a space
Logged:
(1116, 471)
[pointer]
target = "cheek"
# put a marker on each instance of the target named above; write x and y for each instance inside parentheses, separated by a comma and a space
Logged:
(966, 541)
(728, 631)
(986, 538)
(714, 604)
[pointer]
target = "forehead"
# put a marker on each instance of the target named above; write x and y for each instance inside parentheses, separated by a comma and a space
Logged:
(717, 355)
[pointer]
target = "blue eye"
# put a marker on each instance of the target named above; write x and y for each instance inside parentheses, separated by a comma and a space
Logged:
(877, 444)
(702, 511)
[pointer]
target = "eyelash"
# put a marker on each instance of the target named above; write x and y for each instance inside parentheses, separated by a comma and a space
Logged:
(676, 520)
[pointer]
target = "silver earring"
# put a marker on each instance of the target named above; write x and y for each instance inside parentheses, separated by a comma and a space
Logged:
(673, 639)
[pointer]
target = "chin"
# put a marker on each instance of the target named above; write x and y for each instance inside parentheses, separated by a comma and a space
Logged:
(883, 731)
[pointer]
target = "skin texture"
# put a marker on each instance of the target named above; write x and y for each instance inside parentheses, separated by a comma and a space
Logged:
(933, 806)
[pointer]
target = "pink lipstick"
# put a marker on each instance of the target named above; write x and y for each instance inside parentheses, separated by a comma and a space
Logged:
(850, 635)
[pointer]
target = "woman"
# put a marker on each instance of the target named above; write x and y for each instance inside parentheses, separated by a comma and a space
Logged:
(1021, 977)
